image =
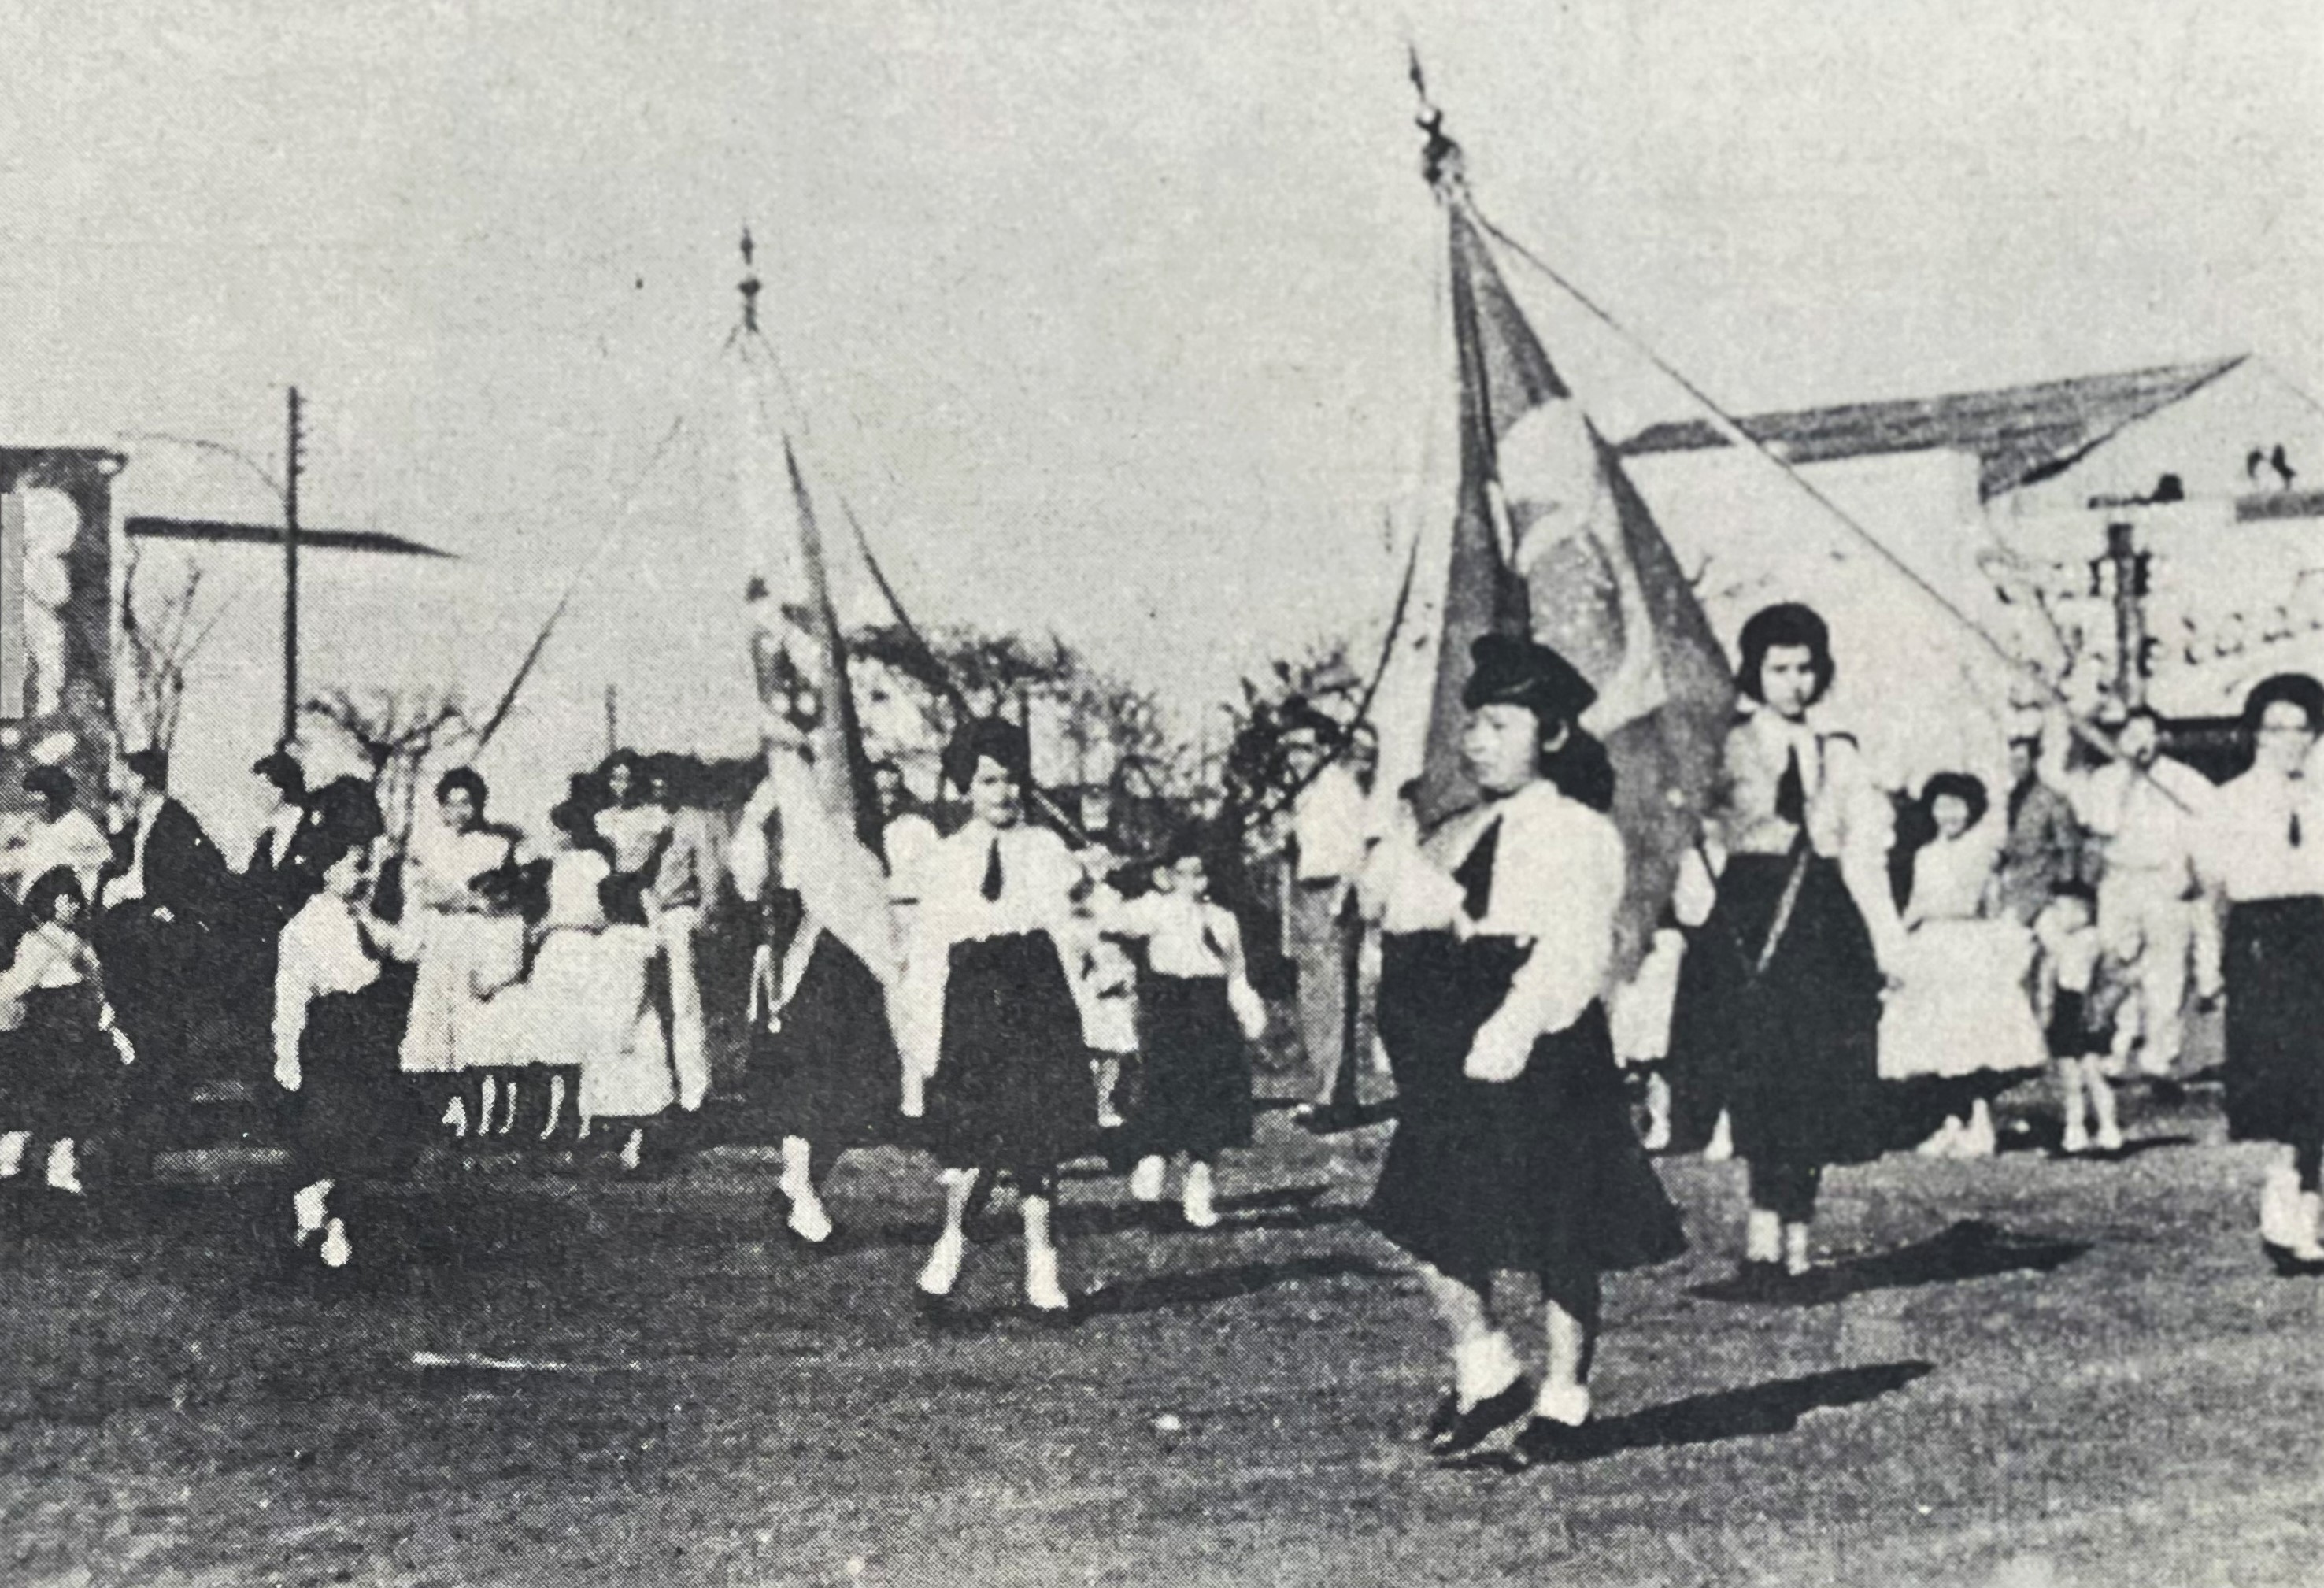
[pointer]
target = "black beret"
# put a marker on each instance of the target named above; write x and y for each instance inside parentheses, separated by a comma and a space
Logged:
(50, 782)
(2295, 689)
(149, 763)
(1508, 669)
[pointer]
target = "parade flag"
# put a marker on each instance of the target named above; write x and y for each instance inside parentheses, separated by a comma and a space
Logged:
(818, 777)
(1550, 539)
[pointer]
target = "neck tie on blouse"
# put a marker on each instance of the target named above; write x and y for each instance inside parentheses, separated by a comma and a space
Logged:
(2292, 833)
(1475, 875)
(1211, 943)
(1791, 790)
(992, 889)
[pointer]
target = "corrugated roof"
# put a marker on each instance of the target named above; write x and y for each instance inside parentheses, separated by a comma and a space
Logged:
(2021, 434)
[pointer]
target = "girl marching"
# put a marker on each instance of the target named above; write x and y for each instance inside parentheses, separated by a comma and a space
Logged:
(1513, 1147)
(60, 1065)
(340, 1004)
(1780, 993)
(2261, 856)
(996, 1032)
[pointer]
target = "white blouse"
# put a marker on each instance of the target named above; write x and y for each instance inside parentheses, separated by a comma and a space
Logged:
(573, 901)
(2243, 846)
(1557, 883)
(1952, 876)
(321, 951)
(1038, 878)
(441, 864)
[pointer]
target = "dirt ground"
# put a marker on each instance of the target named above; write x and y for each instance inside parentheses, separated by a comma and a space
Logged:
(2027, 1372)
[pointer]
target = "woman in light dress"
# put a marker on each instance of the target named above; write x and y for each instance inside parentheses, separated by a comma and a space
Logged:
(581, 1014)
(470, 944)
(1962, 1026)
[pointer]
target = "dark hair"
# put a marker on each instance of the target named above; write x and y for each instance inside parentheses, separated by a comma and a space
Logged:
(587, 791)
(1192, 840)
(57, 882)
(281, 769)
(50, 782)
(1969, 790)
(151, 763)
(987, 738)
(2284, 689)
(574, 819)
(1788, 625)
(1581, 770)
(2075, 888)
(458, 778)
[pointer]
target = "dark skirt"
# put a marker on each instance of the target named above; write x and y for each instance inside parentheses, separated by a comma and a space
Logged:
(831, 1073)
(60, 1074)
(1012, 1088)
(1197, 1081)
(2274, 972)
(1793, 1052)
(357, 1114)
(1541, 1174)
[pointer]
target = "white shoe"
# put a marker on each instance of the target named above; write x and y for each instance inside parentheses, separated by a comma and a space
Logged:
(306, 1210)
(2077, 1139)
(1721, 1146)
(12, 1153)
(1945, 1144)
(64, 1170)
(1201, 1212)
(943, 1269)
(808, 1221)
(1979, 1140)
(1146, 1179)
(2110, 1139)
(1042, 1288)
(633, 1149)
(337, 1250)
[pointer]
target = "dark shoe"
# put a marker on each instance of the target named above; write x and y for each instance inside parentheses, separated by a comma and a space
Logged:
(1546, 1441)
(2289, 1264)
(1487, 1418)
(1442, 1420)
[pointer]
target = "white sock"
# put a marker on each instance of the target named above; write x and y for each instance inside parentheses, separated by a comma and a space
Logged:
(1483, 1366)
(307, 1206)
(943, 1268)
(1763, 1236)
(456, 1116)
(2310, 1216)
(1146, 1179)
(64, 1168)
(338, 1250)
(1200, 1211)
(555, 1106)
(1564, 1403)
(1796, 1260)
(12, 1153)
(1042, 1286)
(633, 1149)
(2279, 1206)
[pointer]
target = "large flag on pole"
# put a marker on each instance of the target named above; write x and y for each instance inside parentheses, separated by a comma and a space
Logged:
(1550, 539)
(818, 777)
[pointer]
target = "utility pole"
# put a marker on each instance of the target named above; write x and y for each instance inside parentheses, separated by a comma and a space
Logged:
(290, 574)
(613, 719)
(2130, 568)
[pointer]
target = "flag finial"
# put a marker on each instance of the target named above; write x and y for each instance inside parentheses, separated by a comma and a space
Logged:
(1439, 157)
(749, 285)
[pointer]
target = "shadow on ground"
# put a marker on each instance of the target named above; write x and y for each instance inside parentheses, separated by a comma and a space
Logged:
(1970, 1250)
(1760, 1410)
(1162, 1292)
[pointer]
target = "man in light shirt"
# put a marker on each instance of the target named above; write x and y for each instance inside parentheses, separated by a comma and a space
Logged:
(1332, 830)
(2142, 813)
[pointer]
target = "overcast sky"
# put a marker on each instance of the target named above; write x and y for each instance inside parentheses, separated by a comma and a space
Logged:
(1113, 318)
